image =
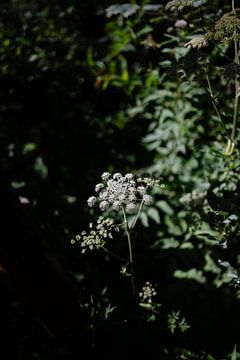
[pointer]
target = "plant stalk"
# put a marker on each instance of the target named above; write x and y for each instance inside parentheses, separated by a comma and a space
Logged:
(137, 216)
(128, 231)
(237, 83)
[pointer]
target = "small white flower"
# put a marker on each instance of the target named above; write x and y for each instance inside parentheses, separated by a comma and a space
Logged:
(103, 205)
(99, 187)
(122, 190)
(130, 206)
(141, 190)
(147, 293)
(121, 197)
(117, 176)
(132, 198)
(147, 199)
(103, 195)
(116, 205)
(197, 42)
(105, 175)
(181, 23)
(132, 190)
(91, 201)
(129, 176)
(97, 234)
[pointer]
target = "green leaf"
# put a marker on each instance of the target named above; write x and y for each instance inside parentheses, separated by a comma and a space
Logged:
(192, 274)
(18, 184)
(164, 206)
(40, 167)
(146, 30)
(144, 219)
(29, 147)
(210, 265)
(154, 215)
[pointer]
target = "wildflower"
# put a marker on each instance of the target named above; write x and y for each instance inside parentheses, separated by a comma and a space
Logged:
(117, 176)
(116, 205)
(130, 206)
(181, 23)
(197, 42)
(129, 176)
(106, 175)
(104, 205)
(147, 199)
(141, 190)
(96, 237)
(132, 198)
(178, 4)
(98, 187)
(91, 201)
(147, 293)
(226, 29)
(119, 190)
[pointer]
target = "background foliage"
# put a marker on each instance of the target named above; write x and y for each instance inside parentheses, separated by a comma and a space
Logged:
(85, 90)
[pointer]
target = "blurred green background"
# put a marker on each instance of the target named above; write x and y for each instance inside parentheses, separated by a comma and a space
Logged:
(85, 90)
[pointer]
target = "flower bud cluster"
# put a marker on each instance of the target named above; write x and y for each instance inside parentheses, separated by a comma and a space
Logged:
(178, 4)
(197, 42)
(147, 293)
(97, 234)
(117, 190)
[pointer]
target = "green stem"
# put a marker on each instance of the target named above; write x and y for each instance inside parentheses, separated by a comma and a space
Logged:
(210, 94)
(237, 83)
(137, 215)
(130, 251)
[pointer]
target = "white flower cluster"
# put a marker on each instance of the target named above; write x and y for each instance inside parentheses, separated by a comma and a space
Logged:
(178, 4)
(197, 42)
(119, 190)
(147, 293)
(96, 237)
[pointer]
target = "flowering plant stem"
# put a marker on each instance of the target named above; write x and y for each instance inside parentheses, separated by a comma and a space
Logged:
(137, 216)
(128, 231)
(237, 83)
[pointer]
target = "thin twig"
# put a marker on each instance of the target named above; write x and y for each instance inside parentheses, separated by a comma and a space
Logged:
(212, 100)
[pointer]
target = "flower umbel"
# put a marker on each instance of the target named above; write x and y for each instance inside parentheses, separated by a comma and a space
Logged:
(178, 4)
(96, 237)
(197, 42)
(147, 293)
(117, 190)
